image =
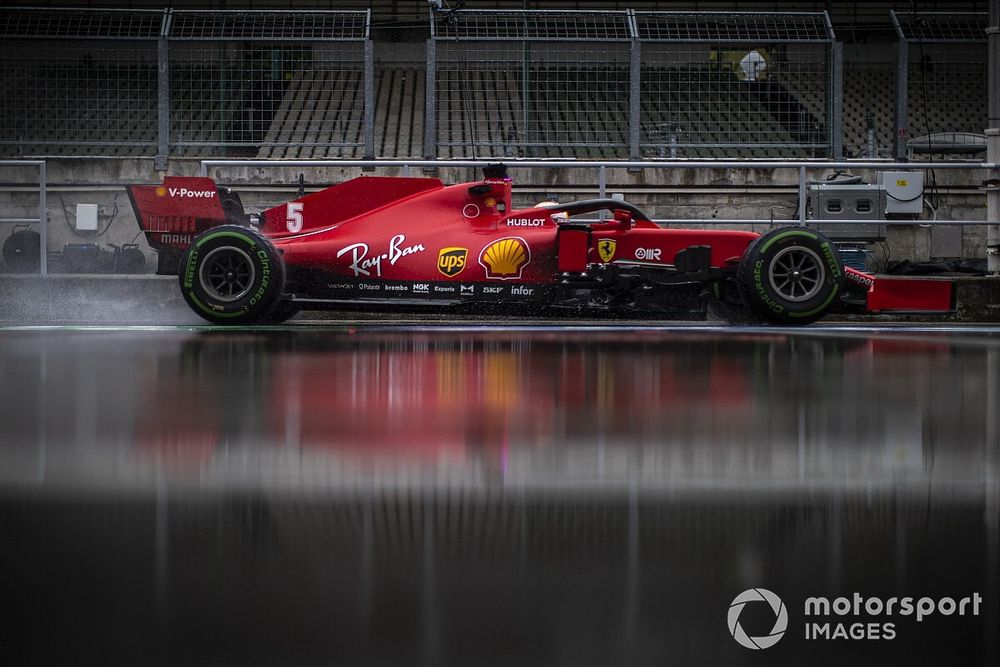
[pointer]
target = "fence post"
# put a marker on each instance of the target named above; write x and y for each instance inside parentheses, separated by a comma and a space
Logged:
(602, 186)
(993, 141)
(430, 103)
(43, 218)
(802, 196)
(634, 75)
(902, 117)
(369, 100)
(163, 95)
(837, 103)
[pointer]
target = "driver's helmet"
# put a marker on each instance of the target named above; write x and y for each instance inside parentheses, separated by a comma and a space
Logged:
(562, 215)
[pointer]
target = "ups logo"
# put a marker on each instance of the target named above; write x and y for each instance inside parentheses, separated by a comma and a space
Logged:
(451, 261)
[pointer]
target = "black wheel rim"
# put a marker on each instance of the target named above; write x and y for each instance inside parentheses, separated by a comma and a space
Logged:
(796, 274)
(227, 274)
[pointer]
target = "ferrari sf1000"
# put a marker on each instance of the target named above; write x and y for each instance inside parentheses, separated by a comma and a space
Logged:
(402, 243)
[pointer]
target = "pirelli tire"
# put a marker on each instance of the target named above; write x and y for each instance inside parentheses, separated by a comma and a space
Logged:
(791, 275)
(232, 275)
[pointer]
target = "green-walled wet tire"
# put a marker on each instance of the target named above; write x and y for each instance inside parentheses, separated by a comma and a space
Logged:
(232, 275)
(791, 275)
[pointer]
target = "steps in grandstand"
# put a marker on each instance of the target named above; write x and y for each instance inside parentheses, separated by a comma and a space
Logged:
(572, 111)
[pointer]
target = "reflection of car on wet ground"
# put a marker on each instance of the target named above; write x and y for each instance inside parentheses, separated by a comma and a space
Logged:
(414, 242)
(426, 397)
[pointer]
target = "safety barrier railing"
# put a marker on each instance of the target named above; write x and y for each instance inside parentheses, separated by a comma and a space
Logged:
(41, 219)
(601, 170)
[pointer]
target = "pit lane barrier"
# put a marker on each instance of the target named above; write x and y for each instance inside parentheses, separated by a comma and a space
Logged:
(601, 168)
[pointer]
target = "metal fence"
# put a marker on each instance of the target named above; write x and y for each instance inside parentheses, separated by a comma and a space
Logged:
(738, 84)
(262, 82)
(499, 83)
(941, 83)
(75, 80)
(528, 83)
(610, 84)
(128, 82)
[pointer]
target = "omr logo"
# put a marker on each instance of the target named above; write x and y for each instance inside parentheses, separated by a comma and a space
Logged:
(780, 618)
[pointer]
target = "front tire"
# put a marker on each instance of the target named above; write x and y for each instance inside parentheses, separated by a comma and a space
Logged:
(791, 275)
(231, 275)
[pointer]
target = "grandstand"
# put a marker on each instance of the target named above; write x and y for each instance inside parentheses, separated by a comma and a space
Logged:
(543, 111)
(506, 84)
(711, 115)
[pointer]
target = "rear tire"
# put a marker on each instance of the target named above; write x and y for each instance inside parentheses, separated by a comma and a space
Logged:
(231, 275)
(791, 275)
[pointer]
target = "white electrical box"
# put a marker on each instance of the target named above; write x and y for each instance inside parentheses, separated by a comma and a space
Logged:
(86, 217)
(904, 191)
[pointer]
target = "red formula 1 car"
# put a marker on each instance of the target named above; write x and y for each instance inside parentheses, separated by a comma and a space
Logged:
(414, 242)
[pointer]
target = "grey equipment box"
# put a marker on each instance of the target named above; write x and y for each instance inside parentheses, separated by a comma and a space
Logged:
(904, 192)
(848, 201)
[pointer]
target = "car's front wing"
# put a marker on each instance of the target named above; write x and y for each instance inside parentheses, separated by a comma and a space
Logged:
(903, 294)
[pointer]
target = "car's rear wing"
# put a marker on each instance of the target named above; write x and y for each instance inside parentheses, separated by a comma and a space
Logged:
(173, 213)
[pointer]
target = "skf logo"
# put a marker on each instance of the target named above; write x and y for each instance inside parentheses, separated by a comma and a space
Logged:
(505, 258)
(161, 191)
(606, 249)
(451, 261)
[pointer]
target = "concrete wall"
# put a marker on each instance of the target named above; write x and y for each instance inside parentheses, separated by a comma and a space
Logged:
(751, 194)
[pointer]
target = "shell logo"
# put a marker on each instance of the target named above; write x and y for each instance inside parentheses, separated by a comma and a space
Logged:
(161, 191)
(505, 258)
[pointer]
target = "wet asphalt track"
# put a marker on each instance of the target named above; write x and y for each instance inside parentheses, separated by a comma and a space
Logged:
(405, 490)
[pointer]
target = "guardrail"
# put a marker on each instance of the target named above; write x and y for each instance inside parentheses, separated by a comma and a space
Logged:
(43, 218)
(601, 168)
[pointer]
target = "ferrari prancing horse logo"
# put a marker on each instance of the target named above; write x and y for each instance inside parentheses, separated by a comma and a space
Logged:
(606, 249)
